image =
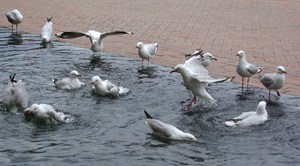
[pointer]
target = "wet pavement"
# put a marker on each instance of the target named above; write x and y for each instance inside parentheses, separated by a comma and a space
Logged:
(111, 130)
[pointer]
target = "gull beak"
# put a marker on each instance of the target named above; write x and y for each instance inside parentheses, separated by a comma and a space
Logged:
(172, 71)
(215, 59)
(237, 55)
(29, 112)
(285, 72)
(78, 75)
(92, 83)
(136, 46)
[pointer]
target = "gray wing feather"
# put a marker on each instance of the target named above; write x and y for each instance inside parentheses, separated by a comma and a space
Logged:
(253, 69)
(105, 34)
(72, 34)
(267, 80)
(158, 128)
(194, 64)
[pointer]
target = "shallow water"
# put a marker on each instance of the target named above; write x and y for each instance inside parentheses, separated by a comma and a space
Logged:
(111, 130)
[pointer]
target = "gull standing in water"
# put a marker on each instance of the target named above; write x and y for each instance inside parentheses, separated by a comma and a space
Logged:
(196, 78)
(14, 17)
(167, 131)
(105, 88)
(47, 31)
(146, 51)
(250, 118)
(69, 83)
(245, 69)
(15, 95)
(274, 81)
(94, 36)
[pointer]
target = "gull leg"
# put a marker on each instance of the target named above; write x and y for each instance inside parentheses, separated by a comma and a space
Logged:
(269, 94)
(194, 99)
(247, 83)
(142, 63)
(148, 64)
(278, 94)
(242, 83)
(12, 28)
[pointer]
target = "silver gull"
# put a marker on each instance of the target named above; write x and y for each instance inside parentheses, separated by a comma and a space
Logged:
(250, 118)
(245, 69)
(47, 31)
(167, 131)
(146, 51)
(274, 81)
(69, 83)
(105, 88)
(14, 17)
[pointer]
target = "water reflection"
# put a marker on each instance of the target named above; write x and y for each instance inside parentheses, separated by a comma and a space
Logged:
(15, 39)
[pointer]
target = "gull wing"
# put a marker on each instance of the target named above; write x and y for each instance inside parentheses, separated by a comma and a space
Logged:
(105, 34)
(20, 93)
(267, 79)
(253, 69)
(72, 35)
(195, 66)
(152, 48)
(159, 128)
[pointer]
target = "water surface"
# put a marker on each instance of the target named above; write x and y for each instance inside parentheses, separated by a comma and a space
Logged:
(111, 130)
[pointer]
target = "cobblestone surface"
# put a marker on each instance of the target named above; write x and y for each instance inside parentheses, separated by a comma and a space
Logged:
(267, 30)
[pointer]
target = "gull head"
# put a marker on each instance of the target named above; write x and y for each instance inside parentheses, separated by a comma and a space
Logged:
(189, 137)
(139, 45)
(178, 68)
(209, 56)
(74, 74)
(261, 108)
(241, 53)
(280, 70)
(95, 80)
(32, 110)
(94, 43)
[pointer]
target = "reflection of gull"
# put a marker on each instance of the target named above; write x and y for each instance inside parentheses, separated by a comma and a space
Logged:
(146, 51)
(69, 83)
(95, 37)
(250, 118)
(105, 87)
(274, 81)
(196, 78)
(44, 113)
(167, 131)
(47, 31)
(14, 17)
(15, 95)
(245, 69)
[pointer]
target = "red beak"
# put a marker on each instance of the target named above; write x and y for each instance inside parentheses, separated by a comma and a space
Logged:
(92, 83)
(285, 72)
(172, 71)
(237, 55)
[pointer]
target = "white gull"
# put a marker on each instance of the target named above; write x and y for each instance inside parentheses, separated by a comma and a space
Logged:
(44, 113)
(94, 36)
(15, 95)
(14, 17)
(274, 81)
(245, 69)
(105, 88)
(250, 118)
(69, 83)
(196, 78)
(167, 131)
(47, 31)
(146, 51)
(205, 57)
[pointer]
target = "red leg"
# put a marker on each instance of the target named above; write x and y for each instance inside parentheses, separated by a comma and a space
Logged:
(148, 63)
(278, 94)
(194, 99)
(142, 63)
(269, 94)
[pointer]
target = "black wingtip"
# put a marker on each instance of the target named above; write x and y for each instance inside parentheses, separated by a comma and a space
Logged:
(12, 78)
(49, 19)
(147, 115)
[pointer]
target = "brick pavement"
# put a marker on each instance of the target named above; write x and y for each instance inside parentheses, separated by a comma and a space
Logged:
(267, 30)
